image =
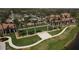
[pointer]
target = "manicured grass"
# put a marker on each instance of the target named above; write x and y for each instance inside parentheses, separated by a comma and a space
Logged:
(59, 42)
(50, 28)
(24, 41)
(54, 32)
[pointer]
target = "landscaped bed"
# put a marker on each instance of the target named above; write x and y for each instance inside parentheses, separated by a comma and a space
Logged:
(22, 32)
(30, 31)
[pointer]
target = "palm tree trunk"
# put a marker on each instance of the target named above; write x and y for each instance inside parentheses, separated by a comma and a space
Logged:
(27, 31)
(47, 27)
(35, 29)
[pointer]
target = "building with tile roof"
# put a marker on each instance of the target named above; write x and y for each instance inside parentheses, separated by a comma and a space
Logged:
(7, 28)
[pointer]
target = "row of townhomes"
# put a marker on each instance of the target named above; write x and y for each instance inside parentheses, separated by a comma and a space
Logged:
(55, 20)
(62, 19)
(7, 28)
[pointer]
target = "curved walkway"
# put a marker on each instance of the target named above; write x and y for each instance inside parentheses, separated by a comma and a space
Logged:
(20, 47)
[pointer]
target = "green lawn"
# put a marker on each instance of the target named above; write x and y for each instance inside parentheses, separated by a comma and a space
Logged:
(54, 32)
(24, 41)
(59, 42)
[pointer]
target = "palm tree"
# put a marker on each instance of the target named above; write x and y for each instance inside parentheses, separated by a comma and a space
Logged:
(77, 20)
(26, 20)
(34, 20)
(16, 22)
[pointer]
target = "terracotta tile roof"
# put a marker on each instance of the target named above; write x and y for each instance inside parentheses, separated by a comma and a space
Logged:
(5, 25)
(11, 25)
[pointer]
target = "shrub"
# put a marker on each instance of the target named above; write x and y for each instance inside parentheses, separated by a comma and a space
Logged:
(38, 30)
(30, 31)
(22, 32)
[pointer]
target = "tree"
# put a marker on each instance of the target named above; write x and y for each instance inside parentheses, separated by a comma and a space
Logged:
(16, 22)
(26, 20)
(77, 18)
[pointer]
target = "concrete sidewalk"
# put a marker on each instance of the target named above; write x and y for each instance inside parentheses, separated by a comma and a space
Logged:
(44, 35)
(2, 46)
